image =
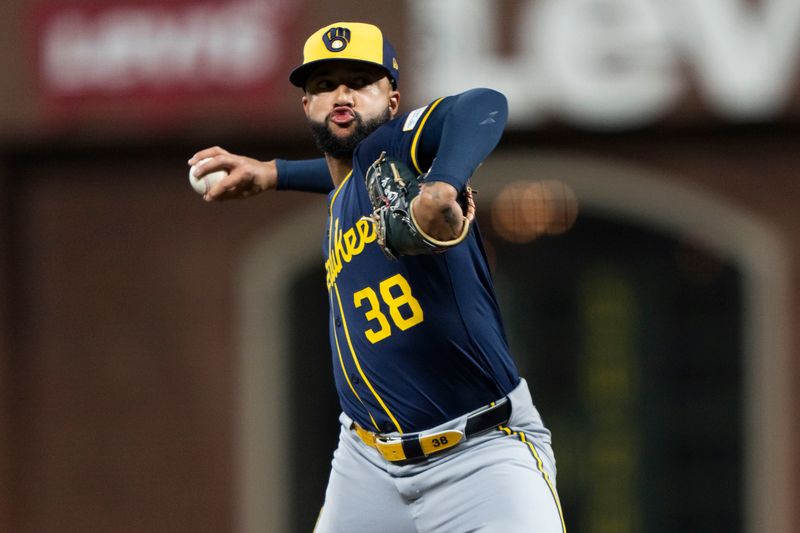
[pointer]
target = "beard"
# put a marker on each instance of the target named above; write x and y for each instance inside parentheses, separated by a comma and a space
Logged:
(343, 147)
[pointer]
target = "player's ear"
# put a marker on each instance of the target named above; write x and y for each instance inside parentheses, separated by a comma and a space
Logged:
(305, 104)
(394, 102)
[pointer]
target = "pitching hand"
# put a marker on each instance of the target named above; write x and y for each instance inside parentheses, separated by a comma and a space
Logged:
(246, 176)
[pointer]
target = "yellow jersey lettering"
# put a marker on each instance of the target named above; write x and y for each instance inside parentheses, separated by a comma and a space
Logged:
(351, 243)
(342, 255)
(405, 301)
(366, 230)
(334, 256)
(345, 245)
(331, 249)
(373, 313)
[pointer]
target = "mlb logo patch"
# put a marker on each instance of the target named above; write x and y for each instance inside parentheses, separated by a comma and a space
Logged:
(413, 118)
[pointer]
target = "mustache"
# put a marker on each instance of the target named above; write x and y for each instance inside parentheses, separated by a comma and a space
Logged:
(343, 147)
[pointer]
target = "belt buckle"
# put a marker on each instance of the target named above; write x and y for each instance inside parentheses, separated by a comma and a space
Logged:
(391, 448)
(365, 435)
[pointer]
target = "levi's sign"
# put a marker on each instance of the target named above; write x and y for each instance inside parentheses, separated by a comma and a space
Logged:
(613, 64)
(149, 49)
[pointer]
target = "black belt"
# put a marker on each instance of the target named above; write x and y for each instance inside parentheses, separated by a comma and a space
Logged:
(415, 446)
(491, 417)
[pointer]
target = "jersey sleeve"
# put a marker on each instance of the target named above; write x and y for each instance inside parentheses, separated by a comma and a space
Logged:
(308, 175)
(461, 131)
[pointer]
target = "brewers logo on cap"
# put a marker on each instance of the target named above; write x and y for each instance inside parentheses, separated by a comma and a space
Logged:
(336, 39)
(350, 41)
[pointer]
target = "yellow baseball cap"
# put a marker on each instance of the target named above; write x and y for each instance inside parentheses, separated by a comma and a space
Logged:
(348, 41)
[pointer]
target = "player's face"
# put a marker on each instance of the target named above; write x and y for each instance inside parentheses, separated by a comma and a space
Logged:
(345, 101)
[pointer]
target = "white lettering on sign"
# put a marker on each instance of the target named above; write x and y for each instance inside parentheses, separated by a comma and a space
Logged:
(745, 57)
(612, 64)
(129, 47)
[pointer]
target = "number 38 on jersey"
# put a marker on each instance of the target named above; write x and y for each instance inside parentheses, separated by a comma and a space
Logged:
(394, 294)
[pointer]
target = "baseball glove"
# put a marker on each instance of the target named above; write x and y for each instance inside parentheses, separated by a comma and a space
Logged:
(392, 188)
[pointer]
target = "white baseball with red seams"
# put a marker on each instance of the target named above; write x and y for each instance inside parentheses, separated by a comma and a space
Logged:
(203, 184)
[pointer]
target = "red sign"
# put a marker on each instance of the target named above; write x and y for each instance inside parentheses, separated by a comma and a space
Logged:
(162, 57)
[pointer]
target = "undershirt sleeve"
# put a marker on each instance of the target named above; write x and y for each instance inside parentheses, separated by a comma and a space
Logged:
(461, 132)
(308, 175)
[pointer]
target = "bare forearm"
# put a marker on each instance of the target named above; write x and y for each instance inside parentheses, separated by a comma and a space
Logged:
(437, 212)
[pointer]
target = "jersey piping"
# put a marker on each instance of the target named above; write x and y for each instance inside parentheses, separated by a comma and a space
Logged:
(330, 294)
(346, 376)
(331, 236)
(333, 198)
(415, 141)
(358, 365)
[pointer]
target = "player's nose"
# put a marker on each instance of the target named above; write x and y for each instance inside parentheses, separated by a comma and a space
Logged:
(344, 95)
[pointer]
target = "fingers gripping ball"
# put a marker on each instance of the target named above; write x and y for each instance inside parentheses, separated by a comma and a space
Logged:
(392, 187)
(203, 184)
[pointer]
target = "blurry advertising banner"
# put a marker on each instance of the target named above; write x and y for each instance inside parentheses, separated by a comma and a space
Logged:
(614, 64)
(161, 59)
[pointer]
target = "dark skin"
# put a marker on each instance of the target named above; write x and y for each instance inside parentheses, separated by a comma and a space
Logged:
(334, 93)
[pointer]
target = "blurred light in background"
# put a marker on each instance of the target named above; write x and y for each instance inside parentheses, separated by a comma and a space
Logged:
(525, 210)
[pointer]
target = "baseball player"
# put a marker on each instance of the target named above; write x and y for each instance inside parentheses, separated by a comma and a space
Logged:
(438, 430)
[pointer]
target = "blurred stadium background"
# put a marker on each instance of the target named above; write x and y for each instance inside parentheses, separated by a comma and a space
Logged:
(163, 362)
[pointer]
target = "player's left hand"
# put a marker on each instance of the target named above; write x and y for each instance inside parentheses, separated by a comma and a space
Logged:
(440, 211)
(413, 217)
(246, 176)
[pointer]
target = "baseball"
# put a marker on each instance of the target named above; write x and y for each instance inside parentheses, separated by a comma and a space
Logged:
(204, 183)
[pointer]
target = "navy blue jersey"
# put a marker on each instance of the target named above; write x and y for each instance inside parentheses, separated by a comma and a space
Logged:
(418, 341)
